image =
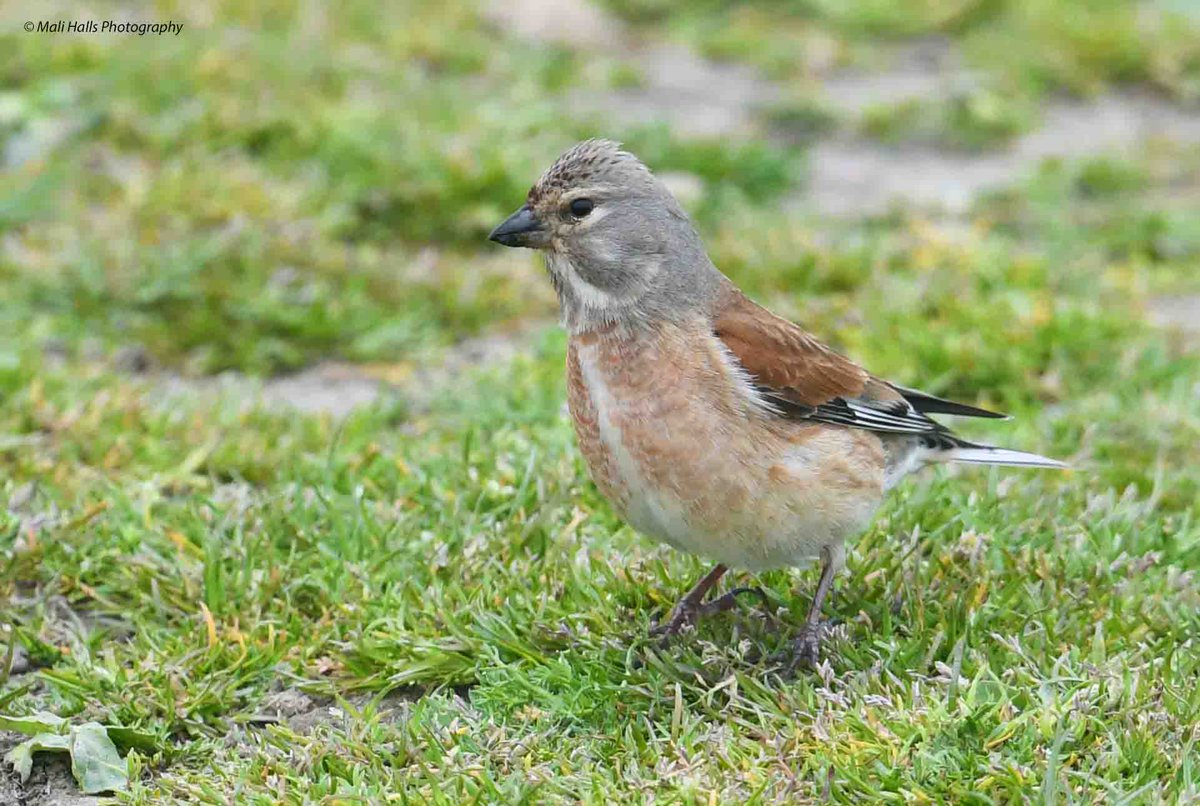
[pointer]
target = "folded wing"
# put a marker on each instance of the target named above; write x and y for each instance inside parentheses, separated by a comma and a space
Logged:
(802, 378)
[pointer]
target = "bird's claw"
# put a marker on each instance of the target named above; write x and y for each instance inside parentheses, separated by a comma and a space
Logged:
(686, 614)
(682, 616)
(805, 649)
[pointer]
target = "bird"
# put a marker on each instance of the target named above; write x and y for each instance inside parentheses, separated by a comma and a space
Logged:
(708, 422)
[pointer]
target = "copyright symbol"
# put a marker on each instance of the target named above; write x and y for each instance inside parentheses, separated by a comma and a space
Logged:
(29, 27)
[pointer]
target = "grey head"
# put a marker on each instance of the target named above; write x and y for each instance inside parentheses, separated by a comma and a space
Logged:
(618, 247)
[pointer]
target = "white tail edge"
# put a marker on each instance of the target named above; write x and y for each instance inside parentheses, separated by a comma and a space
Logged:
(982, 455)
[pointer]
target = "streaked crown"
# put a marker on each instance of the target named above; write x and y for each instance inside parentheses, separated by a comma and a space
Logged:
(592, 163)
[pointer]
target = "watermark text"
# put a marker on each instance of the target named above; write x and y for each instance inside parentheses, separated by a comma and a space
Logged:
(170, 27)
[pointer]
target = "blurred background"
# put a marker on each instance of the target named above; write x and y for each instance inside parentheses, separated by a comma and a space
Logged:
(287, 182)
(270, 401)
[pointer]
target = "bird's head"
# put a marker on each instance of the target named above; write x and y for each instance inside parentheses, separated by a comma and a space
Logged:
(619, 248)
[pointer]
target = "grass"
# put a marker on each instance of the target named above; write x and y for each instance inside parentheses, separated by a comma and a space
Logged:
(1023, 53)
(972, 121)
(253, 213)
(1039, 45)
(444, 576)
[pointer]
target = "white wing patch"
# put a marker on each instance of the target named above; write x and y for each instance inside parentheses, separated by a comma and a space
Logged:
(743, 381)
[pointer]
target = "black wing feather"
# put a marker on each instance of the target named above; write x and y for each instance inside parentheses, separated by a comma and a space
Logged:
(930, 404)
(885, 416)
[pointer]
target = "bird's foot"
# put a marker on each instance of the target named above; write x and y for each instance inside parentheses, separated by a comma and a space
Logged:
(684, 615)
(728, 601)
(687, 613)
(805, 650)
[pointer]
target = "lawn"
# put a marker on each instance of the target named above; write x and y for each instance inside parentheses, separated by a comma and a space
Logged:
(426, 599)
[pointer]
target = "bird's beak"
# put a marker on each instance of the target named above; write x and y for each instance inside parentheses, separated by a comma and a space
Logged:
(520, 229)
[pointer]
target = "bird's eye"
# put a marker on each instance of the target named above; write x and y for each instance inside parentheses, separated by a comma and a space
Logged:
(581, 207)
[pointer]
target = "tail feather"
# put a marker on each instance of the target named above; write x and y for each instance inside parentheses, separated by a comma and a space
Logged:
(972, 454)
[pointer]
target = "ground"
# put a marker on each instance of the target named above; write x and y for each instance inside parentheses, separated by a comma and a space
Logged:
(288, 488)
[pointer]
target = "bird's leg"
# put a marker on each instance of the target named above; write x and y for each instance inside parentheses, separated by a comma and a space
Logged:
(806, 648)
(691, 605)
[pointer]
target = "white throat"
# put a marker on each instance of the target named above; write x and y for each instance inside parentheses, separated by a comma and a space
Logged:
(584, 305)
